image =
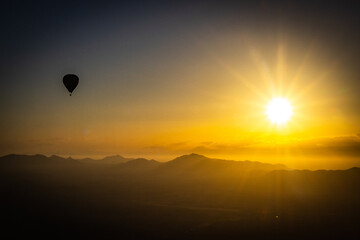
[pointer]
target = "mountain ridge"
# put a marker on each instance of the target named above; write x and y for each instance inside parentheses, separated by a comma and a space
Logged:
(187, 162)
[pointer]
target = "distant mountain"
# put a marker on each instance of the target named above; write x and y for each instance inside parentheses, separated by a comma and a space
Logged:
(116, 159)
(191, 164)
(201, 165)
(35, 160)
(42, 160)
(140, 164)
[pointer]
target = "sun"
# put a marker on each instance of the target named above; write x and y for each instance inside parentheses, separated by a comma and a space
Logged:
(279, 110)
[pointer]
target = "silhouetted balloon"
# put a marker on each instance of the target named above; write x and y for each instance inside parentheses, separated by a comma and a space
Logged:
(70, 81)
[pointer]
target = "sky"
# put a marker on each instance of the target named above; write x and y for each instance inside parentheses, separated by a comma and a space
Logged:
(163, 78)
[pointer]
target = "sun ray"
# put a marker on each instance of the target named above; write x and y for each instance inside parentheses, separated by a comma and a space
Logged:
(280, 68)
(306, 89)
(300, 70)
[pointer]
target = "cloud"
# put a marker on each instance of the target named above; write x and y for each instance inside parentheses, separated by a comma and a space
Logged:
(338, 145)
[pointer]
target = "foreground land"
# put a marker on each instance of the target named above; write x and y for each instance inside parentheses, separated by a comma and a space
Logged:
(190, 197)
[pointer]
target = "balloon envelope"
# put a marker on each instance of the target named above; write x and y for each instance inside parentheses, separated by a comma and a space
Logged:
(70, 81)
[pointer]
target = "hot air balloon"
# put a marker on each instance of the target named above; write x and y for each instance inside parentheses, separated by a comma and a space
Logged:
(70, 81)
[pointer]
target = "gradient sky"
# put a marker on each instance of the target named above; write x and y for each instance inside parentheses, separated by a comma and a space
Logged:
(160, 79)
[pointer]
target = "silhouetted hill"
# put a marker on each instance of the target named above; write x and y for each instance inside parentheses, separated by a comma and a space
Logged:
(16, 159)
(116, 159)
(199, 165)
(186, 163)
(34, 160)
(196, 160)
(139, 166)
(142, 162)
